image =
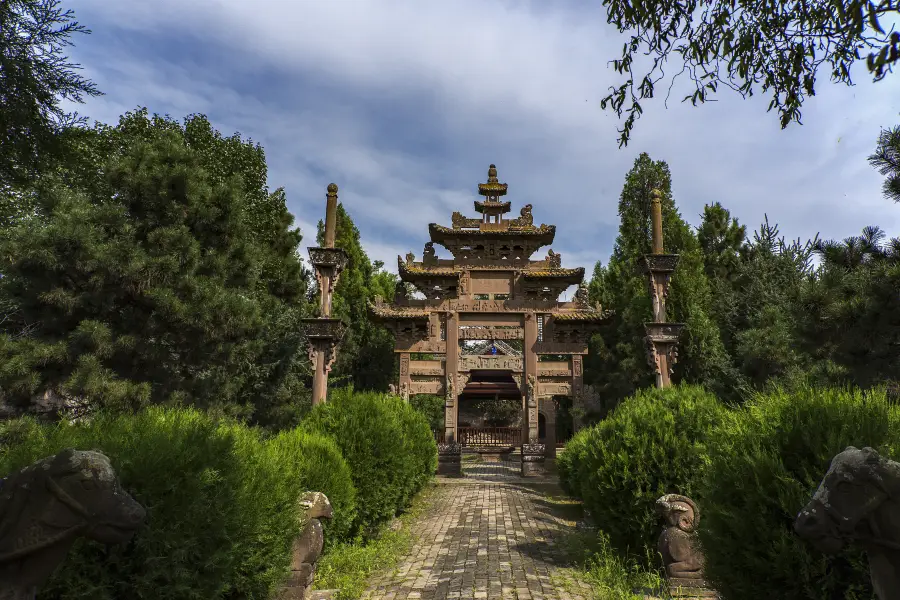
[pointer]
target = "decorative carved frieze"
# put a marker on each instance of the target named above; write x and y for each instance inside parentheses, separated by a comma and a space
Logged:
(577, 363)
(533, 452)
(435, 387)
(557, 388)
(470, 363)
(424, 346)
(424, 367)
(554, 372)
(404, 365)
(491, 333)
(561, 348)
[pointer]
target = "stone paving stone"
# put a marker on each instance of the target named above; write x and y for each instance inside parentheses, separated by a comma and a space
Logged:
(485, 535)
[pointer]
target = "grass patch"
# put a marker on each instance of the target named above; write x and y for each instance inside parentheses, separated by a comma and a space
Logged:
(615, 577)
(347, 567)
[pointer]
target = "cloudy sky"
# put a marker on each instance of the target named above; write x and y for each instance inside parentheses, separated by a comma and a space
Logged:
(404, 104)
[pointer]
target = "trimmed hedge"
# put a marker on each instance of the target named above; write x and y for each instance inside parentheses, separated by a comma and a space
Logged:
(221, 515)
(570, 460)
(654, 443)
(384, 441)
(316, 464)
(765, 464)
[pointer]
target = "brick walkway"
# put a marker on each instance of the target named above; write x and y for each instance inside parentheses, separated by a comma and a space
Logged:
(489, 535)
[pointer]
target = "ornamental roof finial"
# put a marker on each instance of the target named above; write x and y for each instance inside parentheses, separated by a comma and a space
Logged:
(492, 174)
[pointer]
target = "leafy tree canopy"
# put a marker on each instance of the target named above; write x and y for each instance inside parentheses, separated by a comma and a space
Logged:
(773, 47)
(160, 270)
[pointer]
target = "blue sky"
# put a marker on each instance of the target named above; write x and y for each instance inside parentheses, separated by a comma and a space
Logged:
(404, 104)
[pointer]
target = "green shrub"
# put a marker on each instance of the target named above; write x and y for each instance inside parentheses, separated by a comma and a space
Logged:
(432, 407)
(317, 465)
(570, 461)
(765, 464)
(221, 517)
(421, 447)
(654, 443)
(373, 432)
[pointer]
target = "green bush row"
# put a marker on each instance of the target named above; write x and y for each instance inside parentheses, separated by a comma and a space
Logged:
(751, 470)
(222, 500)
(389, 446)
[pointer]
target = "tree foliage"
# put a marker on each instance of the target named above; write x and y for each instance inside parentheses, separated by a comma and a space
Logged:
(618, 363)
(777, 48)
(366, 355)
(161, 270)
(35, 76)
(887, 160)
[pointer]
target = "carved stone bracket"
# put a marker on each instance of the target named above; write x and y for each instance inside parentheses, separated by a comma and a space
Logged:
(323, 329)
(662, 339)
(462, 380)
(330, 261)
(658, 263)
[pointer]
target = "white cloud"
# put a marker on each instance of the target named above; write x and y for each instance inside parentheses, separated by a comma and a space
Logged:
(404, 104)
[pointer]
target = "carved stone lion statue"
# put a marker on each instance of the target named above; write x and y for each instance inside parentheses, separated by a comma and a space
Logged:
(45, 507)
(307, 546)
(858, 502)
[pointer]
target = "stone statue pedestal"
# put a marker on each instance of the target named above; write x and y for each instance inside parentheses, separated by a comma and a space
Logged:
(689, 588)
(449, 459)
(533, 460)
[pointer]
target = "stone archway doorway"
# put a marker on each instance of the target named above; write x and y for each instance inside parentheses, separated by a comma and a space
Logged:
(490, 411)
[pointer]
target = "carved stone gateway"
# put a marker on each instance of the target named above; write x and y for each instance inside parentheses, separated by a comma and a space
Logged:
(682, 558)
(858, 502)
(492, 291)
(45, 507)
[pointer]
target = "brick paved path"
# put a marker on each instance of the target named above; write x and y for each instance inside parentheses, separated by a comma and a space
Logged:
(489, 535)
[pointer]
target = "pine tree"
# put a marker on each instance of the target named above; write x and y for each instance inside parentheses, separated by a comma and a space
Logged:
(161, 270)
(622, 365)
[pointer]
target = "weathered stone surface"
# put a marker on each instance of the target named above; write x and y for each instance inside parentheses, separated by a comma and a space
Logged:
(45, 507)
(449, 459)
(307, 546)
(858, 502)
(682, 559)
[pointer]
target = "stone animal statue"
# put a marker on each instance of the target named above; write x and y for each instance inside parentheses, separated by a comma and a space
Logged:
(307, 546)
(858, 502)
(676, 545)
(45, 507)
(682, 559)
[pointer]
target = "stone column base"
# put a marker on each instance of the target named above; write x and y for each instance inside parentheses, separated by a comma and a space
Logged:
(449, 459)
(533, 459)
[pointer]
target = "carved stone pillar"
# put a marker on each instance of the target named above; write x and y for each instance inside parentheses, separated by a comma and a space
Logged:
(532, 449)
(323, 335)
(548, 409)
(449, 452)
(662, 349)
(578, 407)
(405, 378)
